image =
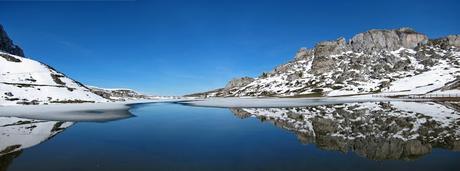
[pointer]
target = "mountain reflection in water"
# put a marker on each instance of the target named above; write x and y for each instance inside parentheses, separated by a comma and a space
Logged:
(17, 134)
(374, 130)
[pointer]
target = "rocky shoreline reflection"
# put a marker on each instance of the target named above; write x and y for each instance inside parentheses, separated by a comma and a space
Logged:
(374, 130)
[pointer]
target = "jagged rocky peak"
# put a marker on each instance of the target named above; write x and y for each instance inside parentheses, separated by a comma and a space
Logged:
(374, 40)
(7, 45)
(238, 82)
(304, 53)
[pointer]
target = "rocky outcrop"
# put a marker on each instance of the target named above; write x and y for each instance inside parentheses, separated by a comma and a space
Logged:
(118, 94)
(453, 40)
(375, 40)
(238, 82)
(327, 48)
(445, 42)
(304, 53)
(324, 50)
(7, 45)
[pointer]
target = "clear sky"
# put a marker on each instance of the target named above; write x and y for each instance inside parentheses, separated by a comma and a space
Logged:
(178, 47)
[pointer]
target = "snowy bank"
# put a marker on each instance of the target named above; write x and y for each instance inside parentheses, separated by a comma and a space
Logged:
(283, 102)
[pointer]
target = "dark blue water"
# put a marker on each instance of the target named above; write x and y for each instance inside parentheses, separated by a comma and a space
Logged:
(175, 137)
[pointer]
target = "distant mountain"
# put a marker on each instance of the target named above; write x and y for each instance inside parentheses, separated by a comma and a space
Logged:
(400, 61)
(119, 94)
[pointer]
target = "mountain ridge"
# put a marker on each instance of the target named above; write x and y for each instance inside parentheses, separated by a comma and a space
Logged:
(370, 62)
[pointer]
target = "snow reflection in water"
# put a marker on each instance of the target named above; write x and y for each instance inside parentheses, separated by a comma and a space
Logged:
(17, 133)
(375, 130)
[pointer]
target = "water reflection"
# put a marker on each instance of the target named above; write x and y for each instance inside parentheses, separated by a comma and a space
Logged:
(30, 130)
(374, 130)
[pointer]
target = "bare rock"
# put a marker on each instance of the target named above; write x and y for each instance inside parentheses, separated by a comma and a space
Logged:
(238, 82)
(7, 45)
(304, 53)
(444, 42)
(374, 40)
(323, 62)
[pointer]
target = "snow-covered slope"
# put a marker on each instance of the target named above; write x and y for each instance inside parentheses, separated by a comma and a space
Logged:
(398, 61)
(26, 81)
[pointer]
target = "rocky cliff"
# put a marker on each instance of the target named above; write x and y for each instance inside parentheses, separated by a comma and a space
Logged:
(7, 45)
(376, 61)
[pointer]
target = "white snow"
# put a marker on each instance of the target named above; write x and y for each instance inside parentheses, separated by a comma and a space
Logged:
(425, 82)
(281, 102)
(31, 80)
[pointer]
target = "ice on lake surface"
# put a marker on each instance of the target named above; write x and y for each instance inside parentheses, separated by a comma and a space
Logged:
(352, 136)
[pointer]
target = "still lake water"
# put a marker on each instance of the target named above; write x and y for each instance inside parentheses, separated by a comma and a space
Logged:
(368, 136)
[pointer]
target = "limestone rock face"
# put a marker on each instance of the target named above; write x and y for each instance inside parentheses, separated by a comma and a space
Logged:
(238, 82)
(453, 40)
(6, 44)
(326, 48)
(444, 42)
(322, 52)
(304, 53)
(374, 40)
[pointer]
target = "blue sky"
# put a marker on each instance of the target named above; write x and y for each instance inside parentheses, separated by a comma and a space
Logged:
(179, 47)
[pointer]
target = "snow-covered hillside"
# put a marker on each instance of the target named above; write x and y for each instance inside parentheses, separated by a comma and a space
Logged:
(26, 81)
(398, 61)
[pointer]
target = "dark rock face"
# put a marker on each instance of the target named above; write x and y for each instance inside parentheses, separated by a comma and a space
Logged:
(6, 44)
